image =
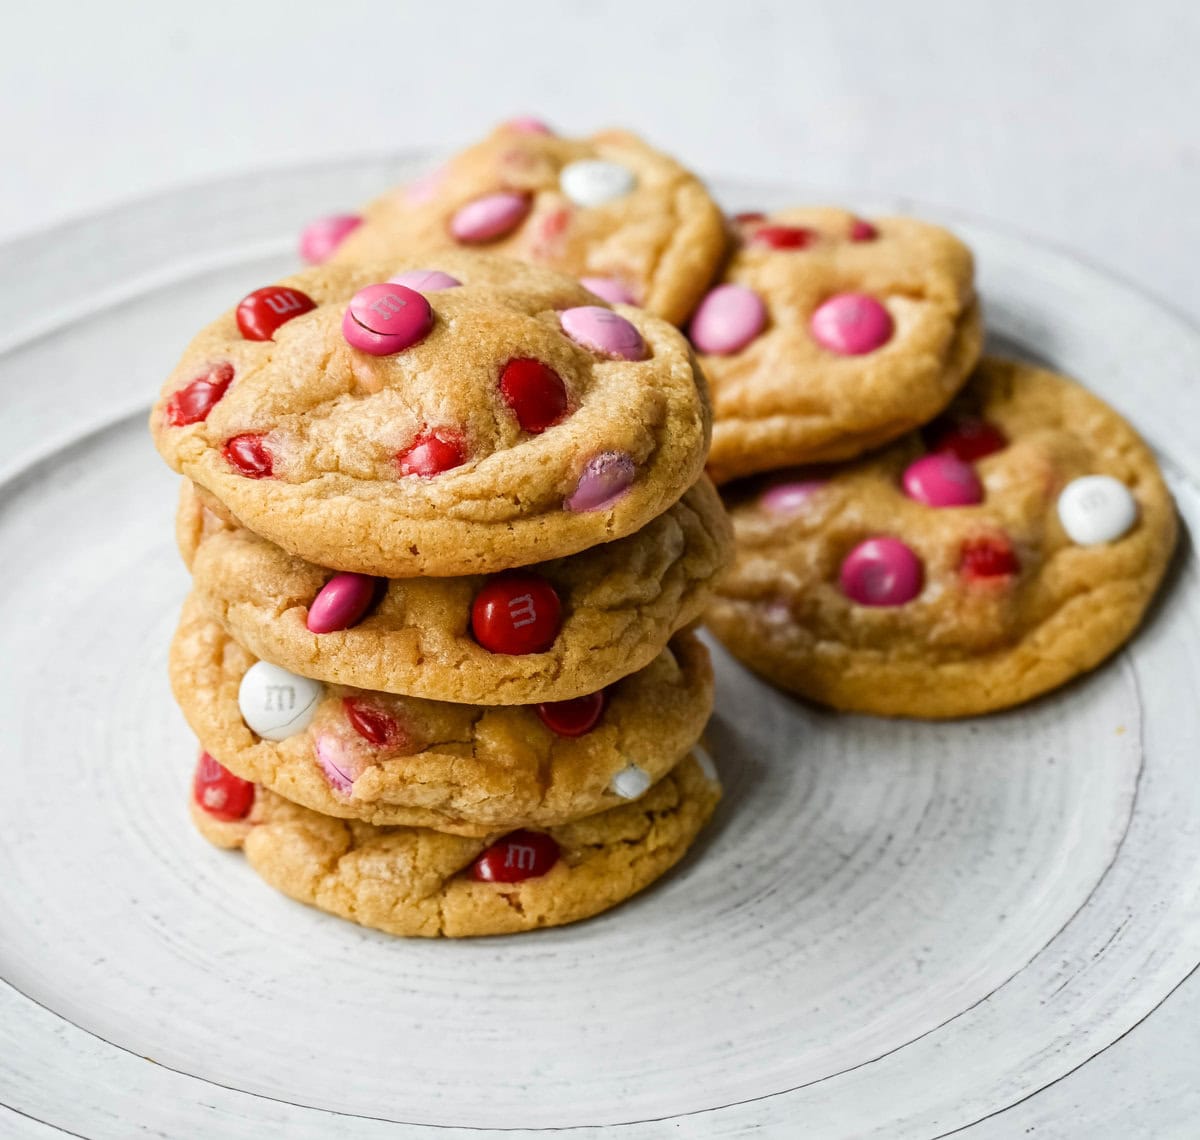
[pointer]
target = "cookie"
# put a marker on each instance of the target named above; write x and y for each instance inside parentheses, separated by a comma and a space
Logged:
(609, 209)
(392, 760)
(829, 335)
(602, 613)
(1009, 547)
(420, 883)
(437, 429)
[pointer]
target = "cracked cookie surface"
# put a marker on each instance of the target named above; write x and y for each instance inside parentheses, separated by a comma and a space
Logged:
(421, 883)
(608, 206)
(455, 767)
(621, 603)
(829, 335)
(525, 422)
(1009, 547)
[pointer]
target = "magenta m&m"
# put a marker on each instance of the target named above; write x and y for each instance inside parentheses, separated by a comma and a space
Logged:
(881, 571)
(851, 324)
(385, 319)
(341, 603)
(942, 480)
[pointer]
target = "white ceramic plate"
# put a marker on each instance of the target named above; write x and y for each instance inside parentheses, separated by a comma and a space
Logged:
(891, 929)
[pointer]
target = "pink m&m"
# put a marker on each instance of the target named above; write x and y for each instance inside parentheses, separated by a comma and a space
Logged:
(383, 319)
(789, 498)
(425, 280)
(606, 477)
(861, 230)
(851, 324)
(942, 481)
(881, 572)
(341, 603)
(336, 762)
(489, 217)
(528, 125)
(425, 188)
(603, 331)
(727, 320)
(320, 239)
(608, 289)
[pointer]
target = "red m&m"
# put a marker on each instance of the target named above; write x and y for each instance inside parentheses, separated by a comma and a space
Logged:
(192, 403)
(521, 855)
(370, 723)
(516, 613)
(432, 452)
(249, 456)
(575, 717)
(966, 439)
(783, 237)
(219, 792)
(261, 313)
(535, 392)
(988, 557)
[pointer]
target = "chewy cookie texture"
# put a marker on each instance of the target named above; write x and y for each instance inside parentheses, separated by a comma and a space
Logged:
(446, 512)
(501, 416)
(619, 603)
(1010, 546)
(829, 335)
(397, 760)
(426, 883)
(629, 221)
(448, 526)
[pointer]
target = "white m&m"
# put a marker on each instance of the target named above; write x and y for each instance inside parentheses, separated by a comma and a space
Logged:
(631, 782)
(592, 181)
(276, 704)
(1096, 509)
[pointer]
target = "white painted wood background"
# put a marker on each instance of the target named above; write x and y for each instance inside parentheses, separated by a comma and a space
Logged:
(1075, 121)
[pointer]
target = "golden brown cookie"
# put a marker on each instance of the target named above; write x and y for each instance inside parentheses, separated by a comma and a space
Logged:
(420, 883)
(461, 768)
(503, 420)
(1013, 545)
(608, 208)
(829, 335)
(618, 603)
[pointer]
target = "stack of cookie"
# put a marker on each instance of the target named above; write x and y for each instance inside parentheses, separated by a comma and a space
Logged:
(920, 533)
(448, 531)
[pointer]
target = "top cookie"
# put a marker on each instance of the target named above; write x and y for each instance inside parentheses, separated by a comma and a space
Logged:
(487, 414)
(830, 335)
(609, 209)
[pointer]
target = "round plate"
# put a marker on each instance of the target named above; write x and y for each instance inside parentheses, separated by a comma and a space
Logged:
(891, 928)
